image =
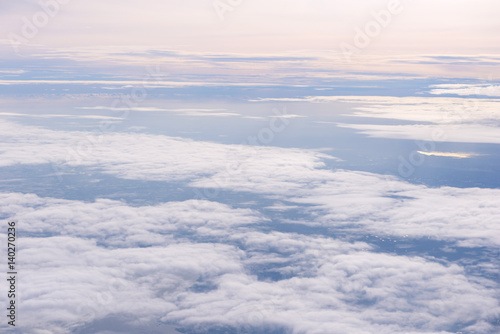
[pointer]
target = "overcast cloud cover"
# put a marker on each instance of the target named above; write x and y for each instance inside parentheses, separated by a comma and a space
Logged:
(244, 167)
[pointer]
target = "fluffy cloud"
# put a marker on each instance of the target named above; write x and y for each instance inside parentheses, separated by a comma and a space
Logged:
(332, 198)
(115, 224)
(71, 283)
(355, 293)
(383, 205)
(141, 156)
(202, 264)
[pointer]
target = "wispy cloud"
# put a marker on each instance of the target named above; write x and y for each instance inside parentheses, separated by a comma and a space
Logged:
(101, 117)
(435, 118)
(466, 90)
(449, 154)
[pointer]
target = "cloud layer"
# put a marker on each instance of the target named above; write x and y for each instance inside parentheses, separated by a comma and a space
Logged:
(359, 200)
(323, 285)
(201, 264)
(435, 119)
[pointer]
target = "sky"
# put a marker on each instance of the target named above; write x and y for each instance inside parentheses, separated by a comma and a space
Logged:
(244, 167)
(413, 27)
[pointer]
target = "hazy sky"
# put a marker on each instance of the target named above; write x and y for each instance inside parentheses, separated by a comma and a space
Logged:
(414, 27)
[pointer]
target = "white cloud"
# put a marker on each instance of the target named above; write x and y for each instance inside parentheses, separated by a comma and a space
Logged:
(466, 90)
(398, 294)
(115, 224)
(326, 286)
(438, 119)
(69, 282)
(432, 133)
(60, 116)
(343, 198)
(135, 83)
(219, 114)
(288, 116)
(376, 204)
(141, 156)
(457, 155)
(458, 133)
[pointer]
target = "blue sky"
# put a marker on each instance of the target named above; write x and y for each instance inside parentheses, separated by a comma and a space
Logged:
(297, 167)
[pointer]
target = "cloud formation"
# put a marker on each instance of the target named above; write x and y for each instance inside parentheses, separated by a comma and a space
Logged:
(466, 90)
(435, 119)
(344, 198)
(458, 155)
(323, 285)
(201, 264)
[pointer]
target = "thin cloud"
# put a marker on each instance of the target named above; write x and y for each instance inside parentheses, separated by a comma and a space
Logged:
(450, 154)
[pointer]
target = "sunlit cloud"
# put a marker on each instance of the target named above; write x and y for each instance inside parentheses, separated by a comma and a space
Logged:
(449, 154)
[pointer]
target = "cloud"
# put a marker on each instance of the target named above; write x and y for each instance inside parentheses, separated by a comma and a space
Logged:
(288, 116)
(7, 71)
(135, 83)
(323, 285)
(377, 204)
(219, 114)
(183, 112)
(115, 224)
(458, 133)
(449, 154)
(361, 201)
(71, 282)
(60, 116)
(435, 119)
(398, 294)
(148, 157)
(466, 90)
